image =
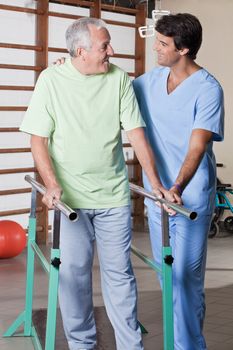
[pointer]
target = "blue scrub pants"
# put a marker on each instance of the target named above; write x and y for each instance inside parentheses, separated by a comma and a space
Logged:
(111, 228)
(188, 240)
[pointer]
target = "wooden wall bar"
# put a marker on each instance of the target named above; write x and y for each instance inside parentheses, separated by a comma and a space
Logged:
(138, 209)
(42, 31)
(41, 49)
(19, 9)
(14, 150)
(22, 47)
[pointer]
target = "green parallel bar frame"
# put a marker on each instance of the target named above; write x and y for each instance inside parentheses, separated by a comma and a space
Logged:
(25, 318)
(167, 296)
(52, 302)
(50, 336)
(167, 290)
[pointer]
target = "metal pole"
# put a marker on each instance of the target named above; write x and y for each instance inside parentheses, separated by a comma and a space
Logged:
(167, 260)
(67, 211)
(178, 208)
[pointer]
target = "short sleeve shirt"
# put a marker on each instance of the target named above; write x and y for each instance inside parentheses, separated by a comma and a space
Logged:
(82, 115)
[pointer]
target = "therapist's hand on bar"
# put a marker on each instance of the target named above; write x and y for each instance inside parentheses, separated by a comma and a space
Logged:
(171, 196)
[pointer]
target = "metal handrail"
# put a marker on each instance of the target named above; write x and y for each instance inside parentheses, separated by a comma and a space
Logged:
(192, 215)
(64, 208)
(167, 260)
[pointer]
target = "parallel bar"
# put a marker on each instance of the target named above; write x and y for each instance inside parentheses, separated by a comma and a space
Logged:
(21, 46)
(64, 208)
(178, 208)
(20, 67)
(44, 263)
(145, 258)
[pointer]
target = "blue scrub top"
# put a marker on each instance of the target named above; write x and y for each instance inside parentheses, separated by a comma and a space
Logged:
(197, 103)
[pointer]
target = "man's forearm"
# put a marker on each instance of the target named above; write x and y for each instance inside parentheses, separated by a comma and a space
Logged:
(39, 146)
(189, 168)
(197, 147)
(145, 155)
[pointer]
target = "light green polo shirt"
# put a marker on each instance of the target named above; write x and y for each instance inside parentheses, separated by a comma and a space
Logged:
(82, 116)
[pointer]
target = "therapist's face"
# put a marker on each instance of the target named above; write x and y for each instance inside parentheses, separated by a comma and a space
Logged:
(167, 54)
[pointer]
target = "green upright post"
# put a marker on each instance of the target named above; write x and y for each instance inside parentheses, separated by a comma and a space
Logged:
(167, 299)
(167, 294)
(53, 284)
(52, 301)
(26, 316)
(30, 278)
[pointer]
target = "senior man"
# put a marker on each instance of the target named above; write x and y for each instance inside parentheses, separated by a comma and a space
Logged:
(75, 119)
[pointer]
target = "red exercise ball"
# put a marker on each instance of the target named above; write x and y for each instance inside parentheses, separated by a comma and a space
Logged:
(12, 239)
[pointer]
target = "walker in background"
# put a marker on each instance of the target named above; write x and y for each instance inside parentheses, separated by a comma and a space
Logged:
(222, 203)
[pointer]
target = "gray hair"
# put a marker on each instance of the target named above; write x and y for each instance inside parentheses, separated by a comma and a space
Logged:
(78, 34)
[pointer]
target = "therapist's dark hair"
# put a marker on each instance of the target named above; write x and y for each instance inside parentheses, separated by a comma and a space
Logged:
(185, 29)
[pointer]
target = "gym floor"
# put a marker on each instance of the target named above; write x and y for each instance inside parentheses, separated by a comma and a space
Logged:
(219, 295)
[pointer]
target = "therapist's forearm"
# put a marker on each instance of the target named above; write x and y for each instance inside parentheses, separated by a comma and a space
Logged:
(145, 156)
(197, 147)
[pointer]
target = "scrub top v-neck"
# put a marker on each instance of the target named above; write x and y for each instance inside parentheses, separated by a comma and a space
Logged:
(196, 103)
